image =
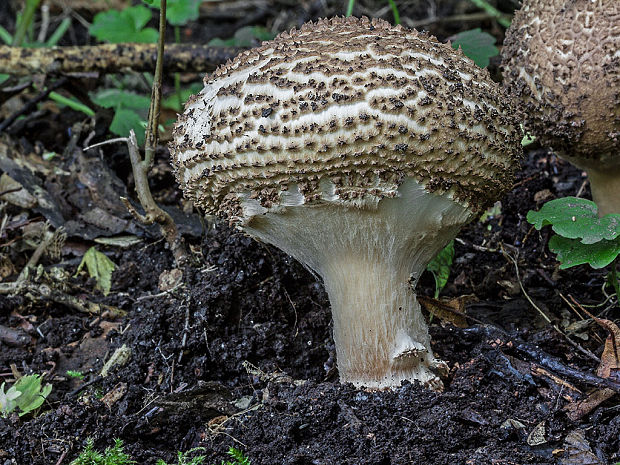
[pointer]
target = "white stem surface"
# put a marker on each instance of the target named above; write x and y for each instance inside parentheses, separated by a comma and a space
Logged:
(370, 258)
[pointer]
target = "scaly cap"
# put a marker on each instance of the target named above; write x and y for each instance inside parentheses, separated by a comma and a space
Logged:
(343, 110)
(561, 60)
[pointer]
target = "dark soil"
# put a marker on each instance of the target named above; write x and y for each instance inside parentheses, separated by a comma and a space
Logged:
(240, 354)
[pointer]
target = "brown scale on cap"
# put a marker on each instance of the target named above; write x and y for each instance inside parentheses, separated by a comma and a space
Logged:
(360, 149)
(561, 61)
(341, 96)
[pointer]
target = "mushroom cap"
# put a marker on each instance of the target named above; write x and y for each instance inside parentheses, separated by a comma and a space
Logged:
(561, 61)
(344, 110)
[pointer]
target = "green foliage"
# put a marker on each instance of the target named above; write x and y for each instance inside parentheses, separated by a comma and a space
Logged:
(112, 455)
(440, 267)
(172, 101)
(99, 267)
(183, 459)
(582, 237)
(130, 110)
(26, 395)
(178, 12)
(573, 252)
(477, 45)
(128, 25)
(576, 218)
(240, 458)
(244, 37)
(75, 374)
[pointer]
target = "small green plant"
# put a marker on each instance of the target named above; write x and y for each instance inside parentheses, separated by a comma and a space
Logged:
(240, 458)
(477, 45)
(75, 374)
(26, 395)
(440, 267)
(128, 25)
(244, 37)
(581, 236)
(112, 455)
(99, 267)
(183, 459)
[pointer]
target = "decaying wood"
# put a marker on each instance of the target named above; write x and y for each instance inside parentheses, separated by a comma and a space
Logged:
(111, 58)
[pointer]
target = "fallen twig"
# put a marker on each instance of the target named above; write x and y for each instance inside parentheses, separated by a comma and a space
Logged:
(31, 104)
(111, 58)
(543, 314)
(535, 355)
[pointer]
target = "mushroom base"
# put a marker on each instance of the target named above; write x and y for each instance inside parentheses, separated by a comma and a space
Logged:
(370, 259)
(605, 186)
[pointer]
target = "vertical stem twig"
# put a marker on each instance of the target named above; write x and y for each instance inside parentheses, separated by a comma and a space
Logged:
(141, 167)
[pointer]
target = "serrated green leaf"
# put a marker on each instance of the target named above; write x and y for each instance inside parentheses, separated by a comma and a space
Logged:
(477, 45)
(440, 267)
(32, 395)
(178, 12)
(576, 218)
(124, 26)
(99, 267)
(124, 120)
(572, 252)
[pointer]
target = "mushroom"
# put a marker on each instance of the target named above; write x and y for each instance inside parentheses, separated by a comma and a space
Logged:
(360, 149)
(561, 61)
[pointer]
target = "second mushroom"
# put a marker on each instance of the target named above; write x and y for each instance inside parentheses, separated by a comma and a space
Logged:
(360, 149)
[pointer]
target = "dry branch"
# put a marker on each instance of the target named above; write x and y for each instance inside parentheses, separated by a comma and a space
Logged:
(111, 58)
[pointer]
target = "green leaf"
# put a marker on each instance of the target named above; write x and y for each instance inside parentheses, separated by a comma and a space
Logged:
(124, 26)
(5, 36)
(99, 267)
(178, 12)
(440, 267)
(124, 120)
(477, 45)
(58, 33)
(32, 395)
(576, 218)
(172, 101)
(244, 37)
(113, 98)
(572, 252)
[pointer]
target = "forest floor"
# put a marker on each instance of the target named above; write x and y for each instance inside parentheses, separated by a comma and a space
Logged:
(237, 349)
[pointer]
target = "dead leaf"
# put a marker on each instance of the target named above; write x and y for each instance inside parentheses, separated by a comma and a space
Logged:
(577, 450)
(537, 436)
(577, 410)
(15, 194)
(610, 360)
(114, 395)
(170, 279)
(450, 310)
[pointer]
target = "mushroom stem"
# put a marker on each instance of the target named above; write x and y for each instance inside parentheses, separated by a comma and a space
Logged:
(605, 186)
(370, 256)
(381, 336)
